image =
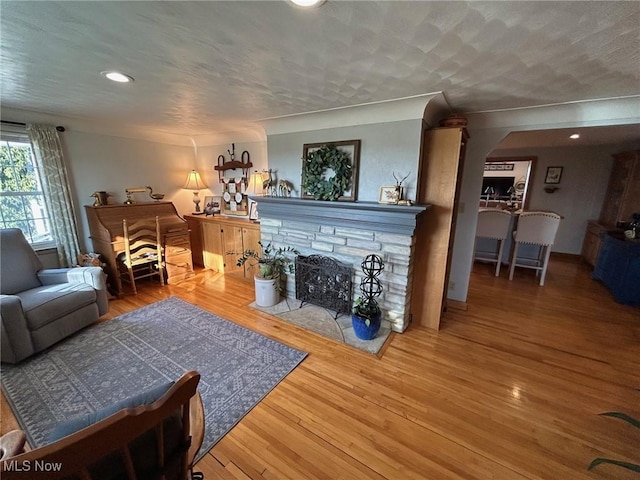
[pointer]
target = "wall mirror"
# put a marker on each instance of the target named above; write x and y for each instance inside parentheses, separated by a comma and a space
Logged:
(505, 182)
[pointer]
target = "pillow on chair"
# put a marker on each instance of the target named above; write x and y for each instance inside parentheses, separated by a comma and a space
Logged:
(73, 425)
(143, 448)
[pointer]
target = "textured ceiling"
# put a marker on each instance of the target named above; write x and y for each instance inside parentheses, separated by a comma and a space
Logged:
(213, 66)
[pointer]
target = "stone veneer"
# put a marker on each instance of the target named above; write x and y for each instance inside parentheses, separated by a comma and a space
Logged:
(347, 232)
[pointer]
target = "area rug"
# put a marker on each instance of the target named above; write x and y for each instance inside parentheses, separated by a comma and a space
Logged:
(142, 349)
(324, 322)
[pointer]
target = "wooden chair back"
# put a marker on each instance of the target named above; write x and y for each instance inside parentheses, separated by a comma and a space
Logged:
(143, 253)
(92, 452)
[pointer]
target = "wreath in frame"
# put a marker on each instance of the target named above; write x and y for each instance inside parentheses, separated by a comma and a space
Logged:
(328, 157)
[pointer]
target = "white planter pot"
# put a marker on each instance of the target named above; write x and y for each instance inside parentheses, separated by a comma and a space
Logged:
(267, 294)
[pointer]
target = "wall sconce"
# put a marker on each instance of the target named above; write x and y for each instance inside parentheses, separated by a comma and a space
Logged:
(195, 184)
(550, 189)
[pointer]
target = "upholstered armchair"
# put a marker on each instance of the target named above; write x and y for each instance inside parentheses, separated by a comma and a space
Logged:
(40, 307)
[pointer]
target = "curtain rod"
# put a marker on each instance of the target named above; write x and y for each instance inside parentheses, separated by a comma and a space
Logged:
(59, 128)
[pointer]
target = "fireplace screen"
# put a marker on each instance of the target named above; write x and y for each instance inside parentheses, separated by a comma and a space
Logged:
(325, 282)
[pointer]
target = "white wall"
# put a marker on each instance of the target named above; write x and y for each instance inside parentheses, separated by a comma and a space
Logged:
(385, 148)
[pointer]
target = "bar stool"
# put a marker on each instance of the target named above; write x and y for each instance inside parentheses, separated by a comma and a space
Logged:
(493, 223)
(535, 228)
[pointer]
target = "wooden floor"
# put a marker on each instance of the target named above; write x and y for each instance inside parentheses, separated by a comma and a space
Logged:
(509, 389)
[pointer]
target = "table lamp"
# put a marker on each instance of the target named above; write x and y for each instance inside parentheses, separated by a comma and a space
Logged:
(195, 184)
(256, 184)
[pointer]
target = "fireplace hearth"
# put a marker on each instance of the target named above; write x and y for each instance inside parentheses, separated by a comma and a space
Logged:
(324, 282)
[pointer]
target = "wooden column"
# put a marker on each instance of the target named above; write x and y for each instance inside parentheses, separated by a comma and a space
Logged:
(439, 179)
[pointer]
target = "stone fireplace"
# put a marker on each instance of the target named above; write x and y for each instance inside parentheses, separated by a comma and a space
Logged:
(347, 232)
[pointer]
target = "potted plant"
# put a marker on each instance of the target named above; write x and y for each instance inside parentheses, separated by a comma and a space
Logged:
(366, 315)
(273, 264)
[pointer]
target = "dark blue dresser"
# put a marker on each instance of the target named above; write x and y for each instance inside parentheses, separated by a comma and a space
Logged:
(618, 268)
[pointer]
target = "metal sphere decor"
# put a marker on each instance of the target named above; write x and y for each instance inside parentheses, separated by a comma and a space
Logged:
(372, 267)
(370, 287)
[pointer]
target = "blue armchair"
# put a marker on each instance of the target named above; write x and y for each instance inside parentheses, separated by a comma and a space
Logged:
(40, 307)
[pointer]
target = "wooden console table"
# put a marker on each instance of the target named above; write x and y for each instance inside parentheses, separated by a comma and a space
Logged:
(107, 236)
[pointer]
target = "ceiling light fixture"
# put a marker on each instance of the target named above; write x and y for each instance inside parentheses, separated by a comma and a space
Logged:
(307, 3)
(574, 136)
(117, 76)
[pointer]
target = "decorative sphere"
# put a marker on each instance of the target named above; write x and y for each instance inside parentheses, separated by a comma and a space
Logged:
(370, 287)
(372, 265)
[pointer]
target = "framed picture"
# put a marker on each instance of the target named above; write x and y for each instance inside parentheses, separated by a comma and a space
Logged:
(330, 170)
(553, 175)
(389, 194)
(253, 211)
(217, 204)
(209, 206)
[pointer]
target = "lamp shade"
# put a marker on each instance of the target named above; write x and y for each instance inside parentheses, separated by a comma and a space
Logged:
(255, 184)
(194, 182)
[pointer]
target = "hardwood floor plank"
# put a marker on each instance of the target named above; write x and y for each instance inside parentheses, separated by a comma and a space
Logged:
(511, 388)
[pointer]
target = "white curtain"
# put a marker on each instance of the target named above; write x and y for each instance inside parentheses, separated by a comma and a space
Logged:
(55, 185)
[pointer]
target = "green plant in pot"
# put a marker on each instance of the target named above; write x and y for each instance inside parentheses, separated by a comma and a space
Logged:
(366, 315)
(273, 265)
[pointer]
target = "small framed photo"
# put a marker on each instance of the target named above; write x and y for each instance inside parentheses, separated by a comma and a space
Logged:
(553, 175)
(389, 194)
(208, 205)
(212, 205)
(253, 211)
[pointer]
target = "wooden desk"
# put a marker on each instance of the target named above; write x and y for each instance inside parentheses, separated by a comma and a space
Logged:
(105, 227)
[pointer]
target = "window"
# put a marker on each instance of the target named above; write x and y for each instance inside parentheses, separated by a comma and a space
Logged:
(22, 203)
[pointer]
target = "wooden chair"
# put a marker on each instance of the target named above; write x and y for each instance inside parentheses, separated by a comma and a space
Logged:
(143, 254)
(535, 228)
(493, 223)
(154, 441)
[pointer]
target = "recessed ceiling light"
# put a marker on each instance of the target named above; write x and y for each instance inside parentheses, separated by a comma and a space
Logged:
(574, 136)
(307, 3)
(117, 76)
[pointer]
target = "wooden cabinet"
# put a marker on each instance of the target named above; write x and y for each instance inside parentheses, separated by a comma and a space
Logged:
(442, 159)
(592, 242)
(618, 267)
(620, 202)
(223, 240)
(623, 193)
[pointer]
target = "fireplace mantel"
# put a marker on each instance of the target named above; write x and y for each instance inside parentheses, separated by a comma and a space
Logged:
(400, 219)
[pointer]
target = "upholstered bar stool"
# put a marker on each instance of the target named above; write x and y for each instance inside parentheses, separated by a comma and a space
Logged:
(535, 228)
(495, 224)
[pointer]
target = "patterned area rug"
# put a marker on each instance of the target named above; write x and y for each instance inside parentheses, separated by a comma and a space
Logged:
(139, 350)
